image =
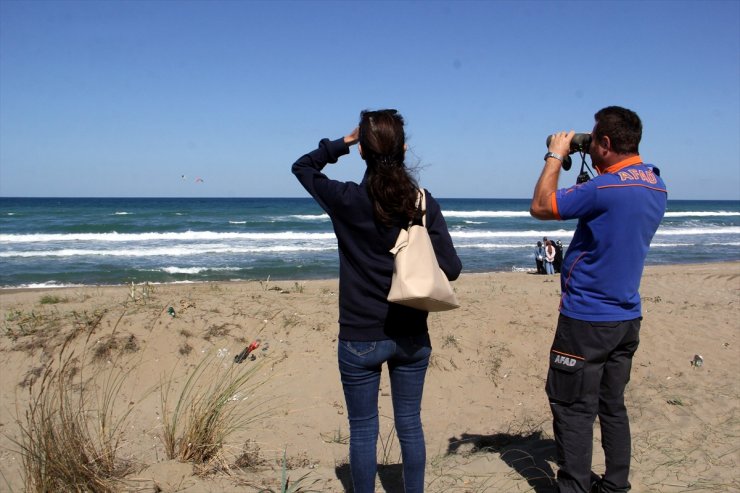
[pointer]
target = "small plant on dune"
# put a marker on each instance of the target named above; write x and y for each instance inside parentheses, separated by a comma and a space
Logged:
(110, 346)
(88, 322)
(214, 402)
(336, 437)
(451, 340)
(497, 353)
(142, 292)
(51, 300)
(265, 285)
(290, 320)
(185, 349)
(70, 441)
(250, 457)
(386, 447)
(288, 486)
(20, 324)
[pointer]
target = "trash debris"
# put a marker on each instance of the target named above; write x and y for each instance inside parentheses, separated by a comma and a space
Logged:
(246, 351)
(171, 312)
(697, 361)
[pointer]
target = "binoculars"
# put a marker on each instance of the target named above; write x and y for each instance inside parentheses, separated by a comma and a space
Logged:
(579, 143)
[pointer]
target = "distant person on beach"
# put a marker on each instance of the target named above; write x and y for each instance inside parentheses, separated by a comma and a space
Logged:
(558, 262)
(539, 257)
(549, 258)
(598, 329)
(367, 218)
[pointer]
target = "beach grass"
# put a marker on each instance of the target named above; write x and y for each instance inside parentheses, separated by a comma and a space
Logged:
(216, 401)
(70, 435)
(301, 485)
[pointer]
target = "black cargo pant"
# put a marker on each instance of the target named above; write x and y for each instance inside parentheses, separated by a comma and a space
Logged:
(590, 365)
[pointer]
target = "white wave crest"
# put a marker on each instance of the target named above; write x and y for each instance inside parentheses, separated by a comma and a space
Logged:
(196, 270)
(310, 217)
(43, 285)
(557, 234)
(731, 230)
(469, 214)
(122, 213)
(701, 214)
(670, 245)
(491, 246)
(181, 251)
(184, 236)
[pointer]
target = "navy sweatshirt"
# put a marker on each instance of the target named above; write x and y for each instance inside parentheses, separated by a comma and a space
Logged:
(365, 262)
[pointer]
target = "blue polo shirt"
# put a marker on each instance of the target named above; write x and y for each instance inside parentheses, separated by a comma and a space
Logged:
(618, 213)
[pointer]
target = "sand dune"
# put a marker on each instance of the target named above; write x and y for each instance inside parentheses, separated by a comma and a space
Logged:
(486, 418)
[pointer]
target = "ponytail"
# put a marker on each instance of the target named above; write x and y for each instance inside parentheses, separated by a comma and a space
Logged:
(392, 190)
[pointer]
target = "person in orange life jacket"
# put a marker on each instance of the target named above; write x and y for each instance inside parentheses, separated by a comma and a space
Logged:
(597, 333)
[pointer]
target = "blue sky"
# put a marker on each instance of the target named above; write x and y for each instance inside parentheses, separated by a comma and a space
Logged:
(104, 98)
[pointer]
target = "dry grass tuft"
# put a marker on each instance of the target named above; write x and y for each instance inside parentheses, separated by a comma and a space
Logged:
(111, 346)
(217, 331)
(52, 300)
(216, 401)
(19, 324)
(68, 442)
(185, 349)
(250, 457)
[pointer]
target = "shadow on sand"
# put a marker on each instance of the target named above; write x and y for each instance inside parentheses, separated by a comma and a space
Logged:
(526, 454)
(391, 477)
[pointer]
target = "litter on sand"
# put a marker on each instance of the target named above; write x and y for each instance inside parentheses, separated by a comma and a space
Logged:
(246, 351)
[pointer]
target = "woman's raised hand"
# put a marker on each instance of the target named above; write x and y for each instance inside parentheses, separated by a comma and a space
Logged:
(353, 137)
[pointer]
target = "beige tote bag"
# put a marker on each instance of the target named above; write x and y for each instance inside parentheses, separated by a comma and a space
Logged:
(418, 281)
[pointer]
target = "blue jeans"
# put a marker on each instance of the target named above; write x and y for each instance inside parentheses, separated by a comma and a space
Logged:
(360, 364)
(549, 268)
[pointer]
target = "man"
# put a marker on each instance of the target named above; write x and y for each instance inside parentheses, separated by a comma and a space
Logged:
(598, 328)
(539, 257)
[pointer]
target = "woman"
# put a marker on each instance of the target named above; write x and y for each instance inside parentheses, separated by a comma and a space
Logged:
(367, 218)
(539, 257)
(549, 258)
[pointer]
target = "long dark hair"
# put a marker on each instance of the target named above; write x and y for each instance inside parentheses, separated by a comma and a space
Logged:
(392, 190)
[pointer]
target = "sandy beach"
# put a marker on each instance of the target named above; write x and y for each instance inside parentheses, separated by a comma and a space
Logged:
(485, 413)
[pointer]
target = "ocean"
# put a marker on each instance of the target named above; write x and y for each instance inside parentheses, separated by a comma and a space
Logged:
(48, 242)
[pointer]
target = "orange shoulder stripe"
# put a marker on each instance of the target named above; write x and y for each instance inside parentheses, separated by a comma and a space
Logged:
(554, 206)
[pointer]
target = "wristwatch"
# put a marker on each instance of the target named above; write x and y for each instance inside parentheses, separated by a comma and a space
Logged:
(556, 156)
